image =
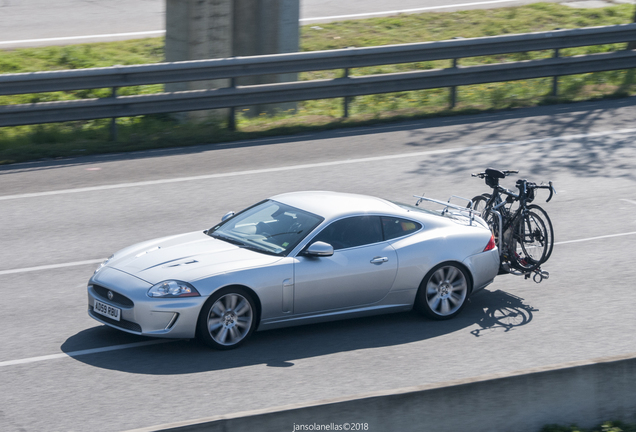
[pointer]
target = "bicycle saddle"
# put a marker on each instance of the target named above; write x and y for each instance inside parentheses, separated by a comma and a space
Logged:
(490, 172)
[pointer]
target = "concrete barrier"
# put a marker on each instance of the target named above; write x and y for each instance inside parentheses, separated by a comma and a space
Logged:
(585, 393)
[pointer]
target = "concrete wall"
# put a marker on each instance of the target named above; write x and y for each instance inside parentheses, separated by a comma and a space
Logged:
(584, 393)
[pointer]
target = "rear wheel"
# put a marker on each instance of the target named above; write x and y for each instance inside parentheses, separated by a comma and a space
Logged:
(227, 319)
(479, 204)
(443, 292)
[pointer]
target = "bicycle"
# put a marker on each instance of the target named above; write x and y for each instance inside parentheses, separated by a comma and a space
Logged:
(524, 235)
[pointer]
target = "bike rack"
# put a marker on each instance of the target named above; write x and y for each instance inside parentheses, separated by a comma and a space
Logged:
(464, 211)
(539, 275)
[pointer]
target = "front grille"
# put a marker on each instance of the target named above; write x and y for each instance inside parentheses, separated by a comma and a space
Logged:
(123, 324)
(118, 299)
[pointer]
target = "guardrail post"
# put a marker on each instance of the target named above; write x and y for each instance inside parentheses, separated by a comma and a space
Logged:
(345, 101)
(231, 120)
(113, 121)
(453, 89)
(555, 79)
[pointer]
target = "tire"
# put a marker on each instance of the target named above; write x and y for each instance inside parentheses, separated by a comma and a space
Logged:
(227, 319)
(548, 225)
(479, 203)
(443, 292)
(529, 243)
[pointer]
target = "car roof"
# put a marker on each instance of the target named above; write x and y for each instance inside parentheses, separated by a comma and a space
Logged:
(332, 205)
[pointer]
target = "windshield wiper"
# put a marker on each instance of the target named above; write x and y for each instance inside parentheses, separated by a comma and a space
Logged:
(257, 249)
(241, 244)
(227, 239)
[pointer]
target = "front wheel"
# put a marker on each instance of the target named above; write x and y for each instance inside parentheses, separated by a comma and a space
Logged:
(530, 242)
(227, 319)
(549, 229)
(443, 292)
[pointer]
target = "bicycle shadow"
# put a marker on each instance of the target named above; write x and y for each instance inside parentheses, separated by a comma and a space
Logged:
(507, 313)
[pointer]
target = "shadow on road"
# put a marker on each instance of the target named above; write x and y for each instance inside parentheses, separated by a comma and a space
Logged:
(504, 312)
(489, 311)
(491, 127)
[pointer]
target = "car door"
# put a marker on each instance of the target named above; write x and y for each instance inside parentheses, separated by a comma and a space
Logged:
(360, 272)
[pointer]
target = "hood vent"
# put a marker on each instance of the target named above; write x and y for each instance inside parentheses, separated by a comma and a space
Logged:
(182, 263)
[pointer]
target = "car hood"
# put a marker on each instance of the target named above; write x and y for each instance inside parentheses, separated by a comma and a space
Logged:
(186, 257)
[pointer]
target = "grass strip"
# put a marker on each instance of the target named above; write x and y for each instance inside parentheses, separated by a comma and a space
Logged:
(25, 143)
(612, 426)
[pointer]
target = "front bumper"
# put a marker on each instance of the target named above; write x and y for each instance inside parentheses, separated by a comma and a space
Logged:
(140, 314)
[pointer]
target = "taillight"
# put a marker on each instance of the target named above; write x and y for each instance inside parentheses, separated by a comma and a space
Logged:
(491, 244)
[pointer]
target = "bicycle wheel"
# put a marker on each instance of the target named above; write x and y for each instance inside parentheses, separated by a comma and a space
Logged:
(529, 242)
(548, 224)
(479, 203)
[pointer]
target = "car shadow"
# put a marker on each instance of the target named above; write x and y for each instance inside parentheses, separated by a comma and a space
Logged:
(490, 311)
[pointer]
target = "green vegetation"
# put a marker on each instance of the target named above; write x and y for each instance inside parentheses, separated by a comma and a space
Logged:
(88, 137)
(605, 427)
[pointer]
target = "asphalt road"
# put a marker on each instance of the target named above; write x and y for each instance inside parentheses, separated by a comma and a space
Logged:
(62, 371)
(44, 22)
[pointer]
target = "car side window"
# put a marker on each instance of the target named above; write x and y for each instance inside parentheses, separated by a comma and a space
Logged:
(351, 232)
(394, 227)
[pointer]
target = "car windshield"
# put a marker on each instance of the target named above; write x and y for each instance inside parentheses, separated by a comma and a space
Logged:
(269, 227)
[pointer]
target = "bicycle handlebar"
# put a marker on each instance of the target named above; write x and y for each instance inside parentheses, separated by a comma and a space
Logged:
(542, 186)
(527, 185)
(550, 187)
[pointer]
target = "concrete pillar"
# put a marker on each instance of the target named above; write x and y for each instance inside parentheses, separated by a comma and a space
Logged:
(197, 30)
(266, 27)
(202, 29)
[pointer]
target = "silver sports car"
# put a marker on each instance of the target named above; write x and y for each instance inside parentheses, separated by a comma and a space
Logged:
(296, 258)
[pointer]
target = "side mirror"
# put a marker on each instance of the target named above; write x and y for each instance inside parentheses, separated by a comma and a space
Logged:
(227, 216)
(319, 249)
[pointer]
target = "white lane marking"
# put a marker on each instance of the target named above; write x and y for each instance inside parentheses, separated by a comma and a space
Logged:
(595, 238)
(72, 38)
(314, 165)
(51, 266)
(628, 200)
(162, 32)
(393, 12)
(83, 352)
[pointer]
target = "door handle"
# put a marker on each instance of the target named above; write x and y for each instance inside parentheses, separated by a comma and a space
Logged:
(379, 260)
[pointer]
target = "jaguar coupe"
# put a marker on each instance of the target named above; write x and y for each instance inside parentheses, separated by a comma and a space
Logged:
(295, 258)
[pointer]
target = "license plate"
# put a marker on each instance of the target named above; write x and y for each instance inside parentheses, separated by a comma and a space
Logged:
(107, 310)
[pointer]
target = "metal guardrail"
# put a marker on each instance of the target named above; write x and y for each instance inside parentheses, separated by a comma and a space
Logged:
(123, 106)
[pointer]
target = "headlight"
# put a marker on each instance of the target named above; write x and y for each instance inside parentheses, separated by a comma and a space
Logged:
(104, 263)
(172, 289)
